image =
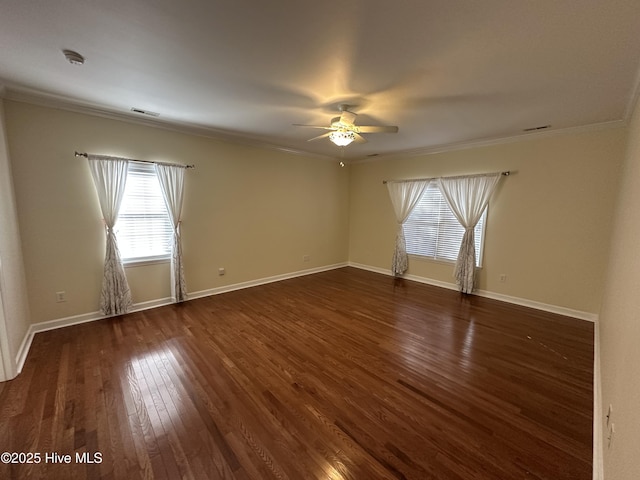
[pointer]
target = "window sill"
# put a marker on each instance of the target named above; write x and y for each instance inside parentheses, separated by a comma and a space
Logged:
(139, 262)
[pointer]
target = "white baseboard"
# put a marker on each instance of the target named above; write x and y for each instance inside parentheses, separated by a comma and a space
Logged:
(74, 320)
(24, 349)
(262, 281)
(93, 316)
(567, 312)
(524, 302)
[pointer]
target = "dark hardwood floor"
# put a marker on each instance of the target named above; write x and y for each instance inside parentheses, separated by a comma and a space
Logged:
(345, 374)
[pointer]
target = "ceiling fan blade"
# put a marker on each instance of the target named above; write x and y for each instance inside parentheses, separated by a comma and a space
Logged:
(347, 117)
(359, 138)
(324, 135)
(313, 126)
(377, 129)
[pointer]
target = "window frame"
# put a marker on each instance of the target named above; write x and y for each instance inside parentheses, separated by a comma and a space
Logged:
(148, 169)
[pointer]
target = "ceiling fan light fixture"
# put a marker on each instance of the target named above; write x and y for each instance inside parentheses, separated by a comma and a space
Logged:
(342, 138)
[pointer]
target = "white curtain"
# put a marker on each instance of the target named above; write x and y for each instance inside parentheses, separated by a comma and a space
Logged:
(171, 180)
(110, 177)
(468, 197)
(404, 197)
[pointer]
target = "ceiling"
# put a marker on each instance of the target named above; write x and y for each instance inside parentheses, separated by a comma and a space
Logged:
(447, 72)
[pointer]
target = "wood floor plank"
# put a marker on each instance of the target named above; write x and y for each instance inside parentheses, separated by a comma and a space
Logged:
(344, 374)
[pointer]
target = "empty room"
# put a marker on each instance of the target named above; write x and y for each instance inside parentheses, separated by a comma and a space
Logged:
(297, 240)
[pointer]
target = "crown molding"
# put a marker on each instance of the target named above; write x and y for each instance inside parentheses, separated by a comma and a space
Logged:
(22, 95)
(465, 145)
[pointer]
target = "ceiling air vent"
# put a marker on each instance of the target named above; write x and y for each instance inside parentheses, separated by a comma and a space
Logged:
(144, 112)
(535, 129)
(74, 58)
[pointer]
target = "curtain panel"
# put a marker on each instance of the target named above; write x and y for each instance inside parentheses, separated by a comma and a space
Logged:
(171, 180)
(404, 197)
(110, 178)
(467, 198)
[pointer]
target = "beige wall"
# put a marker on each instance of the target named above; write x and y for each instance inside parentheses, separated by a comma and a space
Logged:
(254, 211)
(620, 323)
(14, 320)
(548, 225)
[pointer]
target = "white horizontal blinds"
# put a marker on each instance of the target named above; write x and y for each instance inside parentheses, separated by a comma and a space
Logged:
(144, 230)
(433, 231)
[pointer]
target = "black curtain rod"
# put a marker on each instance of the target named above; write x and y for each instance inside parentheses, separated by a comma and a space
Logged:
(506, 174)
(86, 155)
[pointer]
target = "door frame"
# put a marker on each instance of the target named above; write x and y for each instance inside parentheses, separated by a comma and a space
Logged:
(7, 366)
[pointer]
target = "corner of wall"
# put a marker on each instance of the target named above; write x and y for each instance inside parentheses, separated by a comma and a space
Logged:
(14, 318)
(598, 467)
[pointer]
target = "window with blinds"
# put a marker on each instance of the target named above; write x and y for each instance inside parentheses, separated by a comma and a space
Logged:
(143, 228)
(433, 231)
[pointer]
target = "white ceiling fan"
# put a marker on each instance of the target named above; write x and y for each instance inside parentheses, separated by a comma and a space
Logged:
(343, 130)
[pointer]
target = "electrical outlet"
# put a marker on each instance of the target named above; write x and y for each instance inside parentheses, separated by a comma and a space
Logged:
(221, 271)
(306, 258)
(503, 277)
(61, 297)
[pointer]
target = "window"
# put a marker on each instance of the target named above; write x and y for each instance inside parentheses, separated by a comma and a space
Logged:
(143, 228)
(433, 231)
